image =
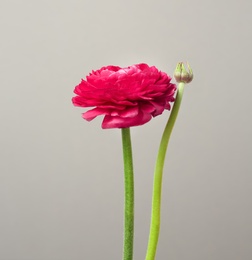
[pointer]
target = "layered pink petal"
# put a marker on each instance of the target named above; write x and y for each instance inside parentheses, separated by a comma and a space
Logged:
(93, 113)
(128, 112)
(159, 107)
(122, 122)
(147, 108)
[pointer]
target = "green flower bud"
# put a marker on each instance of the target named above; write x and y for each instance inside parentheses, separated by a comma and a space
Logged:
(181, 74)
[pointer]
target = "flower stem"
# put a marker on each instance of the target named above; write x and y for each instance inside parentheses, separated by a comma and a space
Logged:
(157, 184)
(129, 195)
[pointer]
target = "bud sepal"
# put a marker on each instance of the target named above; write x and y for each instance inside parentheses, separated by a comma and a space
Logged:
(181, 74)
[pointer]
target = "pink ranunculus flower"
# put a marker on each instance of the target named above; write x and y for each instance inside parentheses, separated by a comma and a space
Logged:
(125, 96)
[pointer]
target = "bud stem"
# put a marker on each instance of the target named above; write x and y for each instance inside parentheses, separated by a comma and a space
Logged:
(157, 184)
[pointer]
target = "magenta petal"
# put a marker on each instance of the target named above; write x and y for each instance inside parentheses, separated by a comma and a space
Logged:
(159, 108)
(168, 106)
(91, 114)
(129, 112)
(147, 108)
(119, 122)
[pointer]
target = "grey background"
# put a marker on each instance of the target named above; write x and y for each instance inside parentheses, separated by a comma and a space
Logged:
(61, 178)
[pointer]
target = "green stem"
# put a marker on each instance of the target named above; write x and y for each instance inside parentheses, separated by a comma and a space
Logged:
(129, 195)
(157, 185)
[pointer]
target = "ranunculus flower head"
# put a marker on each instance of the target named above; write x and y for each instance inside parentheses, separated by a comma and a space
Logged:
(125, 96)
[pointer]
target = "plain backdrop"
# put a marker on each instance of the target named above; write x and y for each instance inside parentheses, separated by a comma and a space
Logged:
(61, 178)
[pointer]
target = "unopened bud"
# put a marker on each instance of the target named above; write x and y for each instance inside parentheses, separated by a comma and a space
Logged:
(181, 74)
